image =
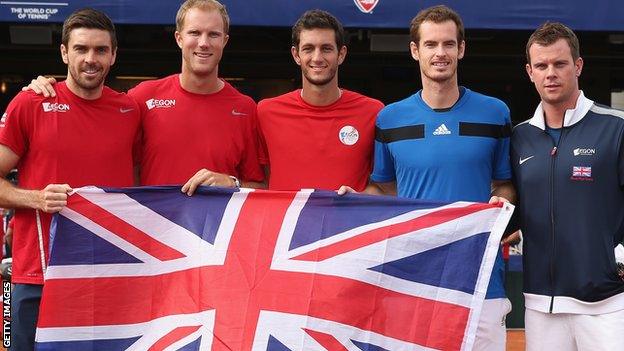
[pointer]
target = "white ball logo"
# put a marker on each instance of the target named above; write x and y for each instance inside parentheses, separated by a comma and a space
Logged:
(348, 135)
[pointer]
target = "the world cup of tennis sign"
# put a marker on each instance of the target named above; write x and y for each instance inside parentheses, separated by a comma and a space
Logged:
(366, 6)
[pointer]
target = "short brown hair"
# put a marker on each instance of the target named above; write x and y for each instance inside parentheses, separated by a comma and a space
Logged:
(550, 32)
(318, 19)
(436, 14)
(91, 19)
(202, 5)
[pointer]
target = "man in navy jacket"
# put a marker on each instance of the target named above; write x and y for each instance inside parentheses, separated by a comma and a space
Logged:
(568, 169)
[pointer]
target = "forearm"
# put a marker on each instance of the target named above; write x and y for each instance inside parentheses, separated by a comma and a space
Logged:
(14, 197)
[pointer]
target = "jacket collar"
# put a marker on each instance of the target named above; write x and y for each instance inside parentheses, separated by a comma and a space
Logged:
(571, 117)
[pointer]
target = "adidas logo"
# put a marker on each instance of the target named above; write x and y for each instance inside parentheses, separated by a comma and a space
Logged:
(442, 130)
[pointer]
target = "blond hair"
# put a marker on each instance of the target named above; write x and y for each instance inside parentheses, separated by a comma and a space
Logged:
(209, 5)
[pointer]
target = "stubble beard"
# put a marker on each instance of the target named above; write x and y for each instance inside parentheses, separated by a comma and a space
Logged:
(441, 79)
(320, 81)
(86, 84)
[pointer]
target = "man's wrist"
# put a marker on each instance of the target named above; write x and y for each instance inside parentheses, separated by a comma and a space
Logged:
(35, 199)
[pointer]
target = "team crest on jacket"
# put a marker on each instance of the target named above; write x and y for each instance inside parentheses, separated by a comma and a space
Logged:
(366, 6)
(348, 135)
(3, 120)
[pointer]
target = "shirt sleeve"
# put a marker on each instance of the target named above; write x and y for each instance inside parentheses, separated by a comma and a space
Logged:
(383, 164)
(15, 122)
(502, 164)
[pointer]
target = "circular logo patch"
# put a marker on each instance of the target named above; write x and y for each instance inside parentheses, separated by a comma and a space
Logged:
(348, 135)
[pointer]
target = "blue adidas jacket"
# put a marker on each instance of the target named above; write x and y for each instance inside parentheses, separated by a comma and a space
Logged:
(571, 209)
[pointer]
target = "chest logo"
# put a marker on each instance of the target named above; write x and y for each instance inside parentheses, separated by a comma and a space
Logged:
(238, 113)
(584, 152)
(366, 6)
(3, 120)
(348, 135)
(54, 107)
(523, 160)
(442, 130)
(160, 103)
(583, 173)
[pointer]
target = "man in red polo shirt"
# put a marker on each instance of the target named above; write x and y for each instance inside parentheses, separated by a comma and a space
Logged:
(319, 136)
(82, 136)
(194, 122)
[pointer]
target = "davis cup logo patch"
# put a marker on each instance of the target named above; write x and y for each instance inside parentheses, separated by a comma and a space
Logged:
(366, 6)
(348, 135)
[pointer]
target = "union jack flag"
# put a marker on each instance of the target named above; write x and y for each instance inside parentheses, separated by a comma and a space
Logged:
(154, 269)
(579, 171)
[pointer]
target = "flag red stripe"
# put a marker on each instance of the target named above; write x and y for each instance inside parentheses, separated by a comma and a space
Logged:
(329, 342)
(172, 337)
(390, 231)
(122, 229)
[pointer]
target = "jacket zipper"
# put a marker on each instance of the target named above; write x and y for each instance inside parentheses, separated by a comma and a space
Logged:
(553, 160)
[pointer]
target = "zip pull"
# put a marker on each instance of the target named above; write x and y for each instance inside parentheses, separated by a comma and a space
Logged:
(553, 152)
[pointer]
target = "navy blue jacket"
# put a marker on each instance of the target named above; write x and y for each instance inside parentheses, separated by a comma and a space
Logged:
(571, 209)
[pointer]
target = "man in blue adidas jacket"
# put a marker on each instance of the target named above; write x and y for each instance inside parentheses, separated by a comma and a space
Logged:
(568, 167)
(447, 143)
